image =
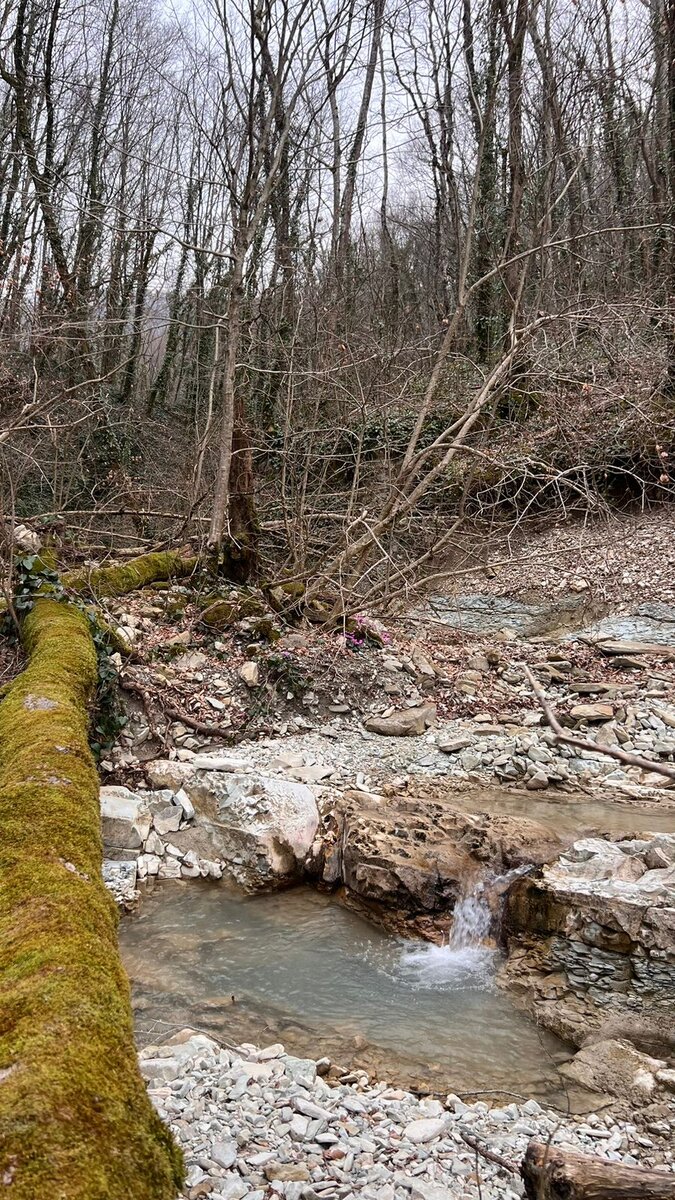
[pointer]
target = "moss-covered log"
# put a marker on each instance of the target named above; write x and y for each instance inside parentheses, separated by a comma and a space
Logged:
(75, 1119)
(137, 573)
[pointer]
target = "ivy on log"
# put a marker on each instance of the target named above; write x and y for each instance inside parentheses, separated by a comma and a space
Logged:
(75, 1119)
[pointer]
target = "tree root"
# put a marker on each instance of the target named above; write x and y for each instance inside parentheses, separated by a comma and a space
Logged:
(75, 1118)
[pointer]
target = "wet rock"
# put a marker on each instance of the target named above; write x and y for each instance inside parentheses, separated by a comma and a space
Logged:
(592, 937)
(409, 722)
(406, 860)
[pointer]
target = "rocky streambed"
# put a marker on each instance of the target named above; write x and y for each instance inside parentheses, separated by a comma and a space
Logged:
(588, 928)
(307, 890)
(256, 1123)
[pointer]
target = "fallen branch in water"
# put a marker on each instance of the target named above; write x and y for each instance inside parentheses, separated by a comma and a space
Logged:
(571, 739)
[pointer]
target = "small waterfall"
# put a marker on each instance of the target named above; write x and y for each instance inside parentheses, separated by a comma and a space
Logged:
(471, 920)
(467, 959)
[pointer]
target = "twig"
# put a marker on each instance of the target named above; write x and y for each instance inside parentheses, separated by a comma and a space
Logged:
(132, 685)
(200, 726)
(490, 1155)
(633, 760)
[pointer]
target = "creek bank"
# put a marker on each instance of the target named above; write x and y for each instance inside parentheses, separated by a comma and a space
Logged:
(591, 944)
(256, 1123)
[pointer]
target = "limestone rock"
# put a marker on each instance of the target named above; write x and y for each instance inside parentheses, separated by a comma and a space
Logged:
(455, 744)
(120, 879)
(409, 722)
(592, 712)
(26, 539)
(125, 818)
(250, 673)
(424, 1130)
(267, 824)
(406, 861)
(615, 1067)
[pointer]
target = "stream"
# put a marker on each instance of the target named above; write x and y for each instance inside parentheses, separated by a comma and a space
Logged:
(305, 971)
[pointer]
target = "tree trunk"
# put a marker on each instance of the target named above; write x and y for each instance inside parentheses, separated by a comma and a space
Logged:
(670, 25)
(75, 1118)
(550, 1173)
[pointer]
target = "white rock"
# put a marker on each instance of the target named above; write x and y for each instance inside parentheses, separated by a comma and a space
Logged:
(250, 673)
(224, 1153)
(26, 539)
(125, 818)
(183, 801)
(425, 1130)
(267, 822)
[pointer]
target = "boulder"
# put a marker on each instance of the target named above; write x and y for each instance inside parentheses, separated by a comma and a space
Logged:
(409, 722)
(407, 860)
(125, 818)
(614, 1067)
(263, 827)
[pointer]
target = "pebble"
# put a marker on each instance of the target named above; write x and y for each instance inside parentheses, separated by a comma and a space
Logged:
(291, 1135)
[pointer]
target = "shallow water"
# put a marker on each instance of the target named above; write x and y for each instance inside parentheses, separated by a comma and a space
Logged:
(568, 814)
(324, 981)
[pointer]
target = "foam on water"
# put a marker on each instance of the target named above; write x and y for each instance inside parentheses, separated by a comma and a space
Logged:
(468, 960)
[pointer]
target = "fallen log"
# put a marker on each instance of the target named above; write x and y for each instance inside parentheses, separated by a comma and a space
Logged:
(137, 573)
(75, 1119)
(554, 1173)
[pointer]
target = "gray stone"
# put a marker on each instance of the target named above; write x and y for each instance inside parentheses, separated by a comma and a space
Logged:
(168, 820)
(125, 818)
(224, 1154)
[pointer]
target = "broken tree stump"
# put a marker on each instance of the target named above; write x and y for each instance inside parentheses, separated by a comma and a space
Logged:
(554, 1173)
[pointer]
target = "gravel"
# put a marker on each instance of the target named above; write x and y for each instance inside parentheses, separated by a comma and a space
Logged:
(255, 1124)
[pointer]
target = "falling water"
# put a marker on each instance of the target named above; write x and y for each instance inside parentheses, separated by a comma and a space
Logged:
(467, 959)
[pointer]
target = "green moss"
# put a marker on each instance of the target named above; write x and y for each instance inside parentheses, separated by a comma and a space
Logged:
(286, 597)
(137, 573)
(75, 1119)
(220, 613)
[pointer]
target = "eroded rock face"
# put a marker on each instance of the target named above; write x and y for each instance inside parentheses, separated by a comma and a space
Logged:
(407, 861)
(264, 827)
(591, 941)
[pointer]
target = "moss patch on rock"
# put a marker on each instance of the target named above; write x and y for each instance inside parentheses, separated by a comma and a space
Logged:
(75, 1119)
